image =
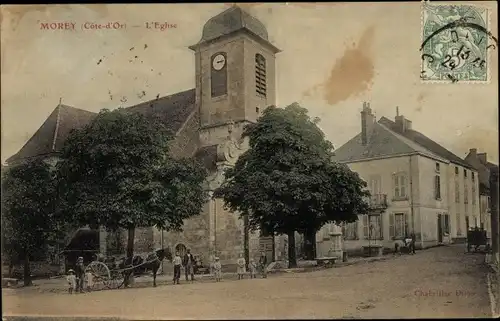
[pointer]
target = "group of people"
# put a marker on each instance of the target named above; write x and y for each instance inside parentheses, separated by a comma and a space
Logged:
(79, 278)
(408, 242)
(253, 267)
(188, 262)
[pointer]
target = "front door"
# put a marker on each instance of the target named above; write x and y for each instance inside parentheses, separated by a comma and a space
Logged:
(440, 228)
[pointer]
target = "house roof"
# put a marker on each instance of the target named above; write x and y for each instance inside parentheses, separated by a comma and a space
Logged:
(385, 140)
(427, 143)
(483, 169)
(173, 110)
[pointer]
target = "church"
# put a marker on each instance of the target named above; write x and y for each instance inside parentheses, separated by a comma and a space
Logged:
(235, 80)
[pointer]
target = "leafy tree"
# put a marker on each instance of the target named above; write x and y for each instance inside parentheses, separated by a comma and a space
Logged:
(29, 219)
(287, 181)
(117, 172)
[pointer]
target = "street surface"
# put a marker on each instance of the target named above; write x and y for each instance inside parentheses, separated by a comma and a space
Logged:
(442, 282)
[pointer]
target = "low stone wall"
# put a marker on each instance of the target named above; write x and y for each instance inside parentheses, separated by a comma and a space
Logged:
(39, 270)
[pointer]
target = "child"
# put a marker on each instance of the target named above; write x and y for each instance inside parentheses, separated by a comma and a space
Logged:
(263, 264)
(217, 270)
(253, 269)
(71, 278)
(89, 280)
(177, 267)
(241, 267)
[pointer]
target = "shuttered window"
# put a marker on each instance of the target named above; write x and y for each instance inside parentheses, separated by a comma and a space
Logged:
(437, 187)
(365, 227)
(260, 75)
(350, 231)
(400, 185)
(398, 225)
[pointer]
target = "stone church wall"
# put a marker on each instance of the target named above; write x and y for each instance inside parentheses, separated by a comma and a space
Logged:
(187, 140)
(195, 236)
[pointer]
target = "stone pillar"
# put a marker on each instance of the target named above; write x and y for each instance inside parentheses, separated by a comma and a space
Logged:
(336, 246)
(495, 244)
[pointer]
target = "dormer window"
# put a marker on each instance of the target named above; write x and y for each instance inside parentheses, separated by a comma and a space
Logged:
(260, 75)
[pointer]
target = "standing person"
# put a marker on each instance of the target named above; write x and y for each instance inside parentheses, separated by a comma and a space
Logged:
(177, 267)
(80, 274)
(263, 264)
(253, 269)
(89, 279)
(413, 242)
(188, 262)
(241, 266)
(71, 278)
(217, 270)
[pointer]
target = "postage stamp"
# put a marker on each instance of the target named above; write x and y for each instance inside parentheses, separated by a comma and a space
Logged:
(455, 43)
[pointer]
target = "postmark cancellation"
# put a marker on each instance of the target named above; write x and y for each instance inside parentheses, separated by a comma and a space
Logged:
(455, 43)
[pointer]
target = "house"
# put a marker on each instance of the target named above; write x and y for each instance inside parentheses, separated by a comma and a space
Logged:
(480, 162)
(235, 80)
(416, 186)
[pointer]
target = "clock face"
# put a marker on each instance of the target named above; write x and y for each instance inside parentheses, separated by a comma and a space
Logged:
(219, 62)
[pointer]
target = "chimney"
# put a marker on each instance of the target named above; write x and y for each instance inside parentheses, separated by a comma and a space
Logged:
(367, 121)
(402, 123)
(482, 156)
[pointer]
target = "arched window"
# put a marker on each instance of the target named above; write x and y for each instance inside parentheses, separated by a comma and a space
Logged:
(181, 249)
(260, 75)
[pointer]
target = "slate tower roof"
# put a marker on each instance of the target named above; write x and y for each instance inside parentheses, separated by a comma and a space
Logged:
(231, 20)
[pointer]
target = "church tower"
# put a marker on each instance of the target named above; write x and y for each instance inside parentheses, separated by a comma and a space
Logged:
(235, 74)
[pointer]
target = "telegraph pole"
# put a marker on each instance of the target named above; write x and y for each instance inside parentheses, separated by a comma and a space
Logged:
(494, 216)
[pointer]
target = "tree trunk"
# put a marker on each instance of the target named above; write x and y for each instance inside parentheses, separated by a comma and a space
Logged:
(27, 270)
(11, 267)
(292, 255)
(246, 240)
(129, 277)
(310, 244)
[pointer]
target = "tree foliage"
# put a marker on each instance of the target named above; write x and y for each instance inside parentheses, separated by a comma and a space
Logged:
(287, 180)
(29, 218)
(117, 172)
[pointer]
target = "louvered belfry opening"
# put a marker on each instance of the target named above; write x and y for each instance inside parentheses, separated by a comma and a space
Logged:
(260, 75)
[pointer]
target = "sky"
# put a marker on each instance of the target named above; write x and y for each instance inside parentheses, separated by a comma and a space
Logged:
(335, 56)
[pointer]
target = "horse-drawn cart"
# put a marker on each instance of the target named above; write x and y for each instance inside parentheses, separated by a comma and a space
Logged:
(111, 273)
(476, 238)
(104, 277)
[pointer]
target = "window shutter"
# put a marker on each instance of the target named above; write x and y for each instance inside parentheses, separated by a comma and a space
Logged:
(402, 186)
(356, 225)
(365, 226)
(391, 225)
(396, 185)
(405, 217)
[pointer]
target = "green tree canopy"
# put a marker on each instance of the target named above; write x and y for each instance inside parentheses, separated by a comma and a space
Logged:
(117, 172)
(287, 180)
(29, 219)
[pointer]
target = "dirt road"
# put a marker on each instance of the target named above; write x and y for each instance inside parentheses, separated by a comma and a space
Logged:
(439, 282)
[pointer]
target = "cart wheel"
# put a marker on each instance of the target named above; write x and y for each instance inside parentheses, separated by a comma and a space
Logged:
(101, 275)
(116, 281)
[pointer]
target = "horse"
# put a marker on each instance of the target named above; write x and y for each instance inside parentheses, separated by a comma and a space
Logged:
(140, 266)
